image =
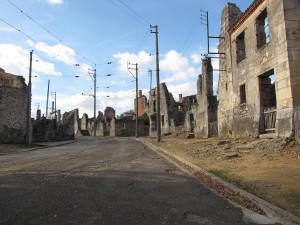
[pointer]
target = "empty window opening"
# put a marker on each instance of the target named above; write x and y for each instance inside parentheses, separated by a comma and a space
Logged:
(242, 94)
(154, 106)
(267, 90)
(262, 29)
(163, 120)
(240, 47)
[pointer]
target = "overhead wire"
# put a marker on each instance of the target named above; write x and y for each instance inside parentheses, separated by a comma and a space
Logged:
(39, 43)
(132, 16)
(135, 12)
(191, 35)
(197, 24)
(41, 26)
(142, 41)
(213, 10)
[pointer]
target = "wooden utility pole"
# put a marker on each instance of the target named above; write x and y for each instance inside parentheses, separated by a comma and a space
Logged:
(28, 120)
(47, 99)
(157, 86)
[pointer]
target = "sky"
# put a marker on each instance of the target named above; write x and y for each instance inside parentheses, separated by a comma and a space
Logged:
(70, 39)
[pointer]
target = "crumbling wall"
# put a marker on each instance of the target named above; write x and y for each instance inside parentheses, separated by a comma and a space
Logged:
(207, 105)
(270, 31)
(13, 108)
(168, 111)
(126, 128)
(70, 124)
(230, 15)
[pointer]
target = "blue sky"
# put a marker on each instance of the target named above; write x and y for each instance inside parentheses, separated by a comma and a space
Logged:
(65, 33)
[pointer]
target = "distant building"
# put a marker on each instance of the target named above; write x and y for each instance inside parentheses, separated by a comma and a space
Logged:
(142, 104)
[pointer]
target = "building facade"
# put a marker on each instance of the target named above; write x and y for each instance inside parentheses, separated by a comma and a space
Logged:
(259, 69)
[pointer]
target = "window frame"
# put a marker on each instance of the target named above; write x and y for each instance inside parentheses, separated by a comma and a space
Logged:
(240, 47)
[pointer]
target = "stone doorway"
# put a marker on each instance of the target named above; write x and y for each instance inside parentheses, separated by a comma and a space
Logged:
(268, 102)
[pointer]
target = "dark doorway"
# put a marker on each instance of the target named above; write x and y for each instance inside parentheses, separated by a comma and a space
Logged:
(268, 102)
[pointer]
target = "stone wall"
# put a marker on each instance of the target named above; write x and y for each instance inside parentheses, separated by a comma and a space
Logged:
(13, 108)
(273, 51)
(206, 109)
(168, 111)
(44, 130)
(126, 128)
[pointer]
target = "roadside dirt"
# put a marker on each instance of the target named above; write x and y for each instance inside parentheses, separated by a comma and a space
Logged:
(15, 148)
(268, 168)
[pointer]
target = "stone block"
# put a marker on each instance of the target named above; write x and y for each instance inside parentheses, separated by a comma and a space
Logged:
(296, 53)
(289, 4)
(292, 24)
(292, 15)
(283, 93)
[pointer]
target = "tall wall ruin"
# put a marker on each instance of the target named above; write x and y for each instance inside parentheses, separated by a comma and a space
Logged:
(13, 108)
(207, 103)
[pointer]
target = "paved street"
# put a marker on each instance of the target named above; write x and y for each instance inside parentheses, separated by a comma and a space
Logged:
(104, 181)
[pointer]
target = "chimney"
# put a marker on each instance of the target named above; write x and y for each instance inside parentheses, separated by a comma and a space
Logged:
(140, 93)
(38, 114)
(180, 97)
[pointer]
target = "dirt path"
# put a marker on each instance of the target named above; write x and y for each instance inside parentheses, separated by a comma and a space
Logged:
(265, 168)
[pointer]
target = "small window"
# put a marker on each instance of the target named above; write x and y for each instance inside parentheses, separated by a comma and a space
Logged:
(242, 94)
(262, 29)
(240, 47)
(154, 106)
(163, 120)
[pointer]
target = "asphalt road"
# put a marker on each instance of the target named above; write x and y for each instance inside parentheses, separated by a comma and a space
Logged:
(104, 181)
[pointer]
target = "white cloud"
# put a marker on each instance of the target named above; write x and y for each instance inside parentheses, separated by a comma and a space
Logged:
(15, 59)
(7, 29)
(143, 59)
(176, 67)
(120, 83)
(59, 52)
(55, 2)
(186, 89)
(196, 58)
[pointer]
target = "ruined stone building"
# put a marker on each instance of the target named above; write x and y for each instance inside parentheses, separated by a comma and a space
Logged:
(13, 108)
(259, 85)
(203, 116)
(176, 117)
(44, 129)
(168, 110)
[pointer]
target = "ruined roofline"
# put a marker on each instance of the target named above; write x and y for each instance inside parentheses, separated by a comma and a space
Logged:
(245, 15)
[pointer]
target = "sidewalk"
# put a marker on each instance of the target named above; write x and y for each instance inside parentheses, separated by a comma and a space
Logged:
(258, 207)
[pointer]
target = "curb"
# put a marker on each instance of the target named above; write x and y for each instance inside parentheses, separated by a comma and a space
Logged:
(267, 208)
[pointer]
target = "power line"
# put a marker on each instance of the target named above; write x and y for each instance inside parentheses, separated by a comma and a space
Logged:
(41, 44)
(142, 41)
(191, 35)
(41, 26)
(213, 10)
(135, 13)
(196, 26)
(132, 16)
